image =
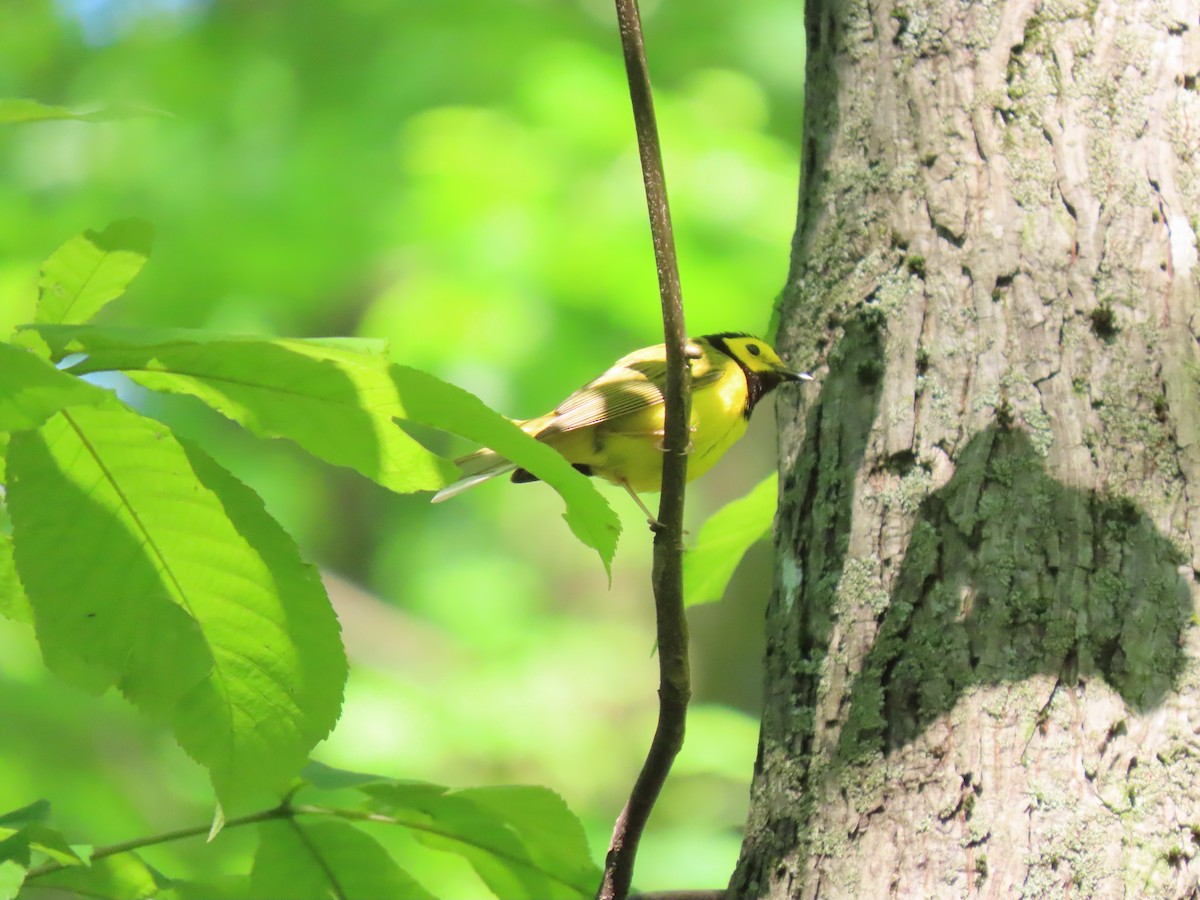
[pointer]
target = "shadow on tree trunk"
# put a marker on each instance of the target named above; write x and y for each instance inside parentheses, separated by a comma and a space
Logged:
(1010, 573)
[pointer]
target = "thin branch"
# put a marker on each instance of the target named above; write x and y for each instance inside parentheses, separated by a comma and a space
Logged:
(282, 811)
(288, 811)
(674, 679)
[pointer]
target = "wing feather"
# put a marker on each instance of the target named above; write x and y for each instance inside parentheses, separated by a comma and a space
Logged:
(633, 384)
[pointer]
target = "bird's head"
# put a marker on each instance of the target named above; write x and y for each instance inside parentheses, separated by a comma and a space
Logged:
(763, 368)
(756, 357)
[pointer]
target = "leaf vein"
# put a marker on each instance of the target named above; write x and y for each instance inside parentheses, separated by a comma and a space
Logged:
(148, 538)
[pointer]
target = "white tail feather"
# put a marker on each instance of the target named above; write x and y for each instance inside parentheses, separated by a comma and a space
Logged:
(453, 490)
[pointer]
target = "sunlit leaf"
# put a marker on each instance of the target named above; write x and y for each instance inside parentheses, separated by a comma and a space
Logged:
(724, 540)
(17, 110)
(523, 842)
(336, 403)
(120, 877)
(30, 837)
(151, 568)
(429, 401)
(51, 842)
(299, 859)
(91, 270)
(12, 876)
(339, 405)
(34, 390)
(44, 839)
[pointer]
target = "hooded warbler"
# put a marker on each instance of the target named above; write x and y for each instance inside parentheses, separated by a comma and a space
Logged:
(612, 427)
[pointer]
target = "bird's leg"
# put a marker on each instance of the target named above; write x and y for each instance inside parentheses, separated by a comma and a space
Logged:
(655, 525)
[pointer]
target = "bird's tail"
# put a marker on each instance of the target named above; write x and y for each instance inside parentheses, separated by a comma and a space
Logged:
(484, 465)
(477, 467)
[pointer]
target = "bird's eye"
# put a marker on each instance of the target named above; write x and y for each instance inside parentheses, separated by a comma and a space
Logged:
(754, 349)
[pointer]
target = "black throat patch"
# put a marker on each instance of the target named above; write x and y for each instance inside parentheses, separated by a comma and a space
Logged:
(756, 385)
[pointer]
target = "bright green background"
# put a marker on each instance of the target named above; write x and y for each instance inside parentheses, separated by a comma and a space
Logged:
(459, 178)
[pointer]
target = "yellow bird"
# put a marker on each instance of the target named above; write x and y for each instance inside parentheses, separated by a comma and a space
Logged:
(612, 427)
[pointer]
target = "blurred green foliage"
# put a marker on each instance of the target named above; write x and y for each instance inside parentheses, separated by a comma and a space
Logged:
(460, 179)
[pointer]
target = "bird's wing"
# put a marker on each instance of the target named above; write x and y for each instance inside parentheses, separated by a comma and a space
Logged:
(633, 384)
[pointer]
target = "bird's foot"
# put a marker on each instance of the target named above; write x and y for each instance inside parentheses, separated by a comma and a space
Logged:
(657, 527)
(658, 445)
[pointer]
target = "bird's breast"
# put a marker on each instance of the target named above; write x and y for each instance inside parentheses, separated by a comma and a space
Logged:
(718, 420)
(629, 448)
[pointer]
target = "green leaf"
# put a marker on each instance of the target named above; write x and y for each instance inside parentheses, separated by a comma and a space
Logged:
(724, 540)
(151, 568)
(34, 390)
(541, 818)
(91, 270)
(304, 860)
(120, 877)
(327, 778)
(14, 845)
(339, 405)
(44, 839)
(216, 887)
(16, 110)
(12, 876)
(523, 842)
(51, 842)
(13, 603)
(429, 401)
(37, 811)
(18, 846)
(334, 402)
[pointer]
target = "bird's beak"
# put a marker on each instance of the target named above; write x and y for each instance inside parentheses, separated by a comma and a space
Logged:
(788, 375)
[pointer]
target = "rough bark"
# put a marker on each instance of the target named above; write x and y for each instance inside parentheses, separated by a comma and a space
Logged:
(982, 663)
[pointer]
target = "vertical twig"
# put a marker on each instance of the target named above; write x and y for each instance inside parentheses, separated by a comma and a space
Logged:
(674, 688)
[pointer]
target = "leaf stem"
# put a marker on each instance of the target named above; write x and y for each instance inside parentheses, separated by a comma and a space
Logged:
(287, 810)
(283, 811)
(667, 573)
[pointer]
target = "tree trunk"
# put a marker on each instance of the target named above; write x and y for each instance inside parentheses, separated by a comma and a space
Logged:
(982, 675)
